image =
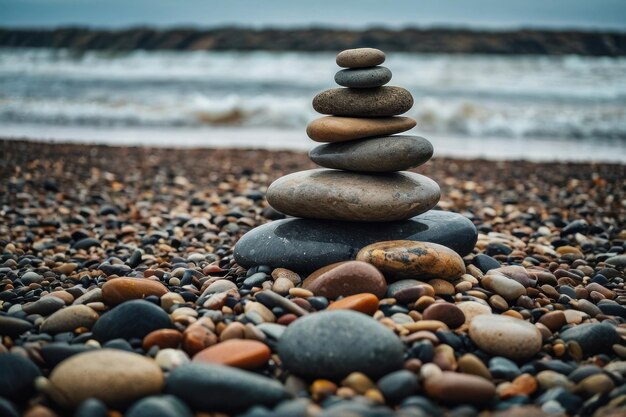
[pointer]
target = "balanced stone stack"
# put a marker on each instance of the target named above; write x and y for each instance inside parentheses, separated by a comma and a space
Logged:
(363, 194)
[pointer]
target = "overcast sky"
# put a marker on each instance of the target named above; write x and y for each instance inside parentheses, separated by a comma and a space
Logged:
(589, 14)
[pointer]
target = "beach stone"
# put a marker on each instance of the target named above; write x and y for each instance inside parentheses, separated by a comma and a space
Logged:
(8, 409)
(399, 259)
(380, 154)
(244, 354)
(503, 368)
(505, 336)
(471, 364)
(230, 390)
(113, 376)
(448, 313)
(91, 407)
(346, 278)
(363, 303)
(507, 288)
(17, 377)
(618, 261)
(363, 77)
(57, 352)
(485, 263)
(360, 57)
(131, 319)
(363, 102)
(409, 290)
(12, 326)
(398, 385)
(553, 320)
(119, 290)
(593, 338)
(69, 318)
(453, 387)
(163, 338)
(44, 306)
(340, 129)
(321, 345)
(159, 406)
(349, 196)
(304, 245)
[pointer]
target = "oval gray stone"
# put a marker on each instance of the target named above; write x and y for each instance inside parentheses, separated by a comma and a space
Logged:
(360, 57)
(593, 338)
(305, 245)
(384, 154)
(363, 77)
(323, 345)
(350, 196)
(363, 102)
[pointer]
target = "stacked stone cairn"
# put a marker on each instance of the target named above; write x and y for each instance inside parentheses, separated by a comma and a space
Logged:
(364, 193)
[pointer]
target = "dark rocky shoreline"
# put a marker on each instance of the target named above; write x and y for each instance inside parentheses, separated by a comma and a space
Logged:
(515, 42)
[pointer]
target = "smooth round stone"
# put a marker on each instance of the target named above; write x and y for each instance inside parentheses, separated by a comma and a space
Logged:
(340, 129)
(159, 406)
(593, 338)
(505, 336)
(398, 385)
(349, 196)
(360, 57)
(363, 77)
(453, 387)
(240, 353)
(12, 326)
(55, 353)
(114, 376)
(322, 345)
(304, 245)
(69, 318)
(211, 387)
(92, 407)
(119, 290)
(346, 278)
(44, 306)
(505, 287)
(17, 377)
(471, 364)
(132, 319)
(383, 154)
(448, 313)
(363, 102)
(364, 303)
(399, 259)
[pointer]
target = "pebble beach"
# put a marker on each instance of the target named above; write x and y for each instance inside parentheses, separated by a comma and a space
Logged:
(120, 294)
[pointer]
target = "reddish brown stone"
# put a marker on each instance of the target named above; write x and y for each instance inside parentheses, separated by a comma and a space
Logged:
(453, 387)
(244, 354)
(119, 290)
(553, 320)
(197, 337)
(346, 278)
(365, 303)
(445, 312)
(163, 338)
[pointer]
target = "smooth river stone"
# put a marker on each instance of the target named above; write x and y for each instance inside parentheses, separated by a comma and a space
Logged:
(346, 278)
(305, 245)
(349, 196)
(118, 290)
(17, 377)
(360, 58)
(113, 376)
(244, 354)
(363, 77)
(340, 129)
(384, 154)
(398, 259)
(505, 336)
(453, 387)
(131, 319)
(593, 338)
(363, 102)
(324, 345)
(69, 318)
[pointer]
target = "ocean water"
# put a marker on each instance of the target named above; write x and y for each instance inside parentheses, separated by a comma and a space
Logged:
(506, 107)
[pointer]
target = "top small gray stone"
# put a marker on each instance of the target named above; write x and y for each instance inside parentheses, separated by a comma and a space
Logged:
(360, 58)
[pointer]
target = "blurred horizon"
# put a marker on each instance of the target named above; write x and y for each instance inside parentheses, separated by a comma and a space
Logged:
(600, 15)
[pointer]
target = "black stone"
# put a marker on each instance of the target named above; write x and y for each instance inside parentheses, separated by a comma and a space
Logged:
(17, 377)
(130, 319)
(8, 409)
(57, 352)
(86, 243)
(159, 406)
(324, 345)
(12, 326)
(44, 306)
(209, 387)
(91, 407)
(304, 245)
(503, 368)
(611, 309)
(583, 372)
(485, 263)
(398, 385)
(593, 338)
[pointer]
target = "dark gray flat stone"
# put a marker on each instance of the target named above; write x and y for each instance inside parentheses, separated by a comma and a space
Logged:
(363, 102)
(363, 77)
(131, 319)
(593, 338)
(304, 245)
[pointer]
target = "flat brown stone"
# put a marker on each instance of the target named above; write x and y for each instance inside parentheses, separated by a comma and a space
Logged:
(398, 259)
(119, 290)
(363, 102)
(553, 320)
(346, 278)
(163, 338)
(341, 129)
(505, 336)
(453, 387)
(244, 354)
(365, 303)
(445, 312)
(70, 318)
(360, 58)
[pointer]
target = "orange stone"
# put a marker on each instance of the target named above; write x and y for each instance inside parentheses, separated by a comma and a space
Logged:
(346, 278)
(244, 354)
(197, 337)
(340, 129)
(365, 303)
(163, 338)
(524, 384)
(119, 290)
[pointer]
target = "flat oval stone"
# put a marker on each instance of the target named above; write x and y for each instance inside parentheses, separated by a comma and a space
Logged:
(505, 336)
(360, 57)
(363, 102)
(346, 278)
(593, 338)
(509, 289)
(322, 345)
(159, 406)
(119, 290)
(363, 77)
(448, 313)
(114, 376)
(304, 245)
(340, 129)
(453, 387)
(70, 318)
(12, 326)
(17, 377)
(349, 196)
(244, 354)
(399, 259)
(384, 154)
(364, 303)
(132, 319)
(211, 387)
